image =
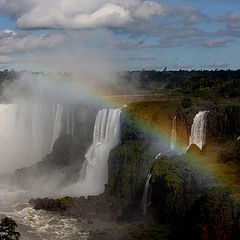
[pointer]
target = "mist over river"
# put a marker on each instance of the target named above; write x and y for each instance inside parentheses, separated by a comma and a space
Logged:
(38, 224)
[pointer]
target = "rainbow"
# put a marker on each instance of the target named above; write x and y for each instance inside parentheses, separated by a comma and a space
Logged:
(226, 176)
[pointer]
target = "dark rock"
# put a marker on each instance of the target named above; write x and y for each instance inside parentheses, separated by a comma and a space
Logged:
(176, 184)
(214, 216)
(193, 149)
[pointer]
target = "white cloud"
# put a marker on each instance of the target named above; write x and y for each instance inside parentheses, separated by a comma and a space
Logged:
(79, 14)
(6, 59)
(220, 42)
(11, 43)
(146, 57)
(217, 65)
(232, 19)
(190, 14)
(182, 66)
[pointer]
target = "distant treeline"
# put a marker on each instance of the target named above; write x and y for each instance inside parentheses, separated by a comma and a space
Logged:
(203, 83)
(8, 75)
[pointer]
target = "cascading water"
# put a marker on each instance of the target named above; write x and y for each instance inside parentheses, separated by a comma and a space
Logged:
(106, 135)
(158, 155)
(146, 198)
(174, 134)
(198, 130)
(57, 126)
(31, 128)
(70, 124)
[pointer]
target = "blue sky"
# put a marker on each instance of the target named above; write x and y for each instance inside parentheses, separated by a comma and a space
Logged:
(127, 34)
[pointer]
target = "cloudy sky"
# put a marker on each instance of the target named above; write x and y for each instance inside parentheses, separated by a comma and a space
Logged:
(132, 34)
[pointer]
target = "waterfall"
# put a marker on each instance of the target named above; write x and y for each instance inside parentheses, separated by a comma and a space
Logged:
(31, 129)
(174, 134)
(70, 124)
(57, 125)
(146, 198)
(106, 135)
(198, 130)
(158, 155)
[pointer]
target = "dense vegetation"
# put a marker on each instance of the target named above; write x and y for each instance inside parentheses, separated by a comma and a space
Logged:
(197, 83)
(207, 84)
(7, 229)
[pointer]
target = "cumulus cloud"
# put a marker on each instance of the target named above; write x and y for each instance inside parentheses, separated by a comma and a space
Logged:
(11, 42)
(184, 32)
(220, 42)
(190, 14)
(6, 59)
(217, 65)
(182, 66)
(127, 45)
(146, 57)
(232, 19)
(75, 14)
(91, 14)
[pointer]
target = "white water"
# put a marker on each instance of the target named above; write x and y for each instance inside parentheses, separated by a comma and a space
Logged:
(57, 126)
(70, 124)
(94, 173)
(146, 198)
(106, 135)
(174, 134)
(38, 225)
(198, 130)
(158, 155)
(27, 132)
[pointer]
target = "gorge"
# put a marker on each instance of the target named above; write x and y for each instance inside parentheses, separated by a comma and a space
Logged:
(121, 168)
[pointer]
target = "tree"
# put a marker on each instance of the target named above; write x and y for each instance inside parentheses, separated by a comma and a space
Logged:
(186, 103)
(7, 229)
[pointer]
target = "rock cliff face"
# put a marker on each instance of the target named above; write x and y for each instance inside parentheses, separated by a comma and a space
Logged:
(145, 128)
(213, 216)
(183, 195)
(223, 121)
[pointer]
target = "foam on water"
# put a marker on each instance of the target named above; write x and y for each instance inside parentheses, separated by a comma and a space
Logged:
(38, 224)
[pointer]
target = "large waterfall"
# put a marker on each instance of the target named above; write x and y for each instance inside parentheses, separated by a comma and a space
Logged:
(198, 130)
(174, 134)
(70, 124)
(106, 135)
(146, 198)
(27, 132)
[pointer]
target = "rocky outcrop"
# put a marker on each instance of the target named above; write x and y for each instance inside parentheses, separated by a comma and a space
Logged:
(66, 158)
(129, 165)
(214, 216)
(223, 121)
(176, 184)
(92, 207)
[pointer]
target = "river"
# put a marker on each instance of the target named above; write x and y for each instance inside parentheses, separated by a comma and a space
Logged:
(38, 224)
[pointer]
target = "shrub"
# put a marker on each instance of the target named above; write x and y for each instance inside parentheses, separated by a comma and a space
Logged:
(186, 103)
(7, 229)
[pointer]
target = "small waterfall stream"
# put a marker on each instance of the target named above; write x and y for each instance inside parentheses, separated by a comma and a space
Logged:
(146, 198)
(174, 134)
(198, 129)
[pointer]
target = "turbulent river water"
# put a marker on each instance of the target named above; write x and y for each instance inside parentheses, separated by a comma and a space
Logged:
(38, 225)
